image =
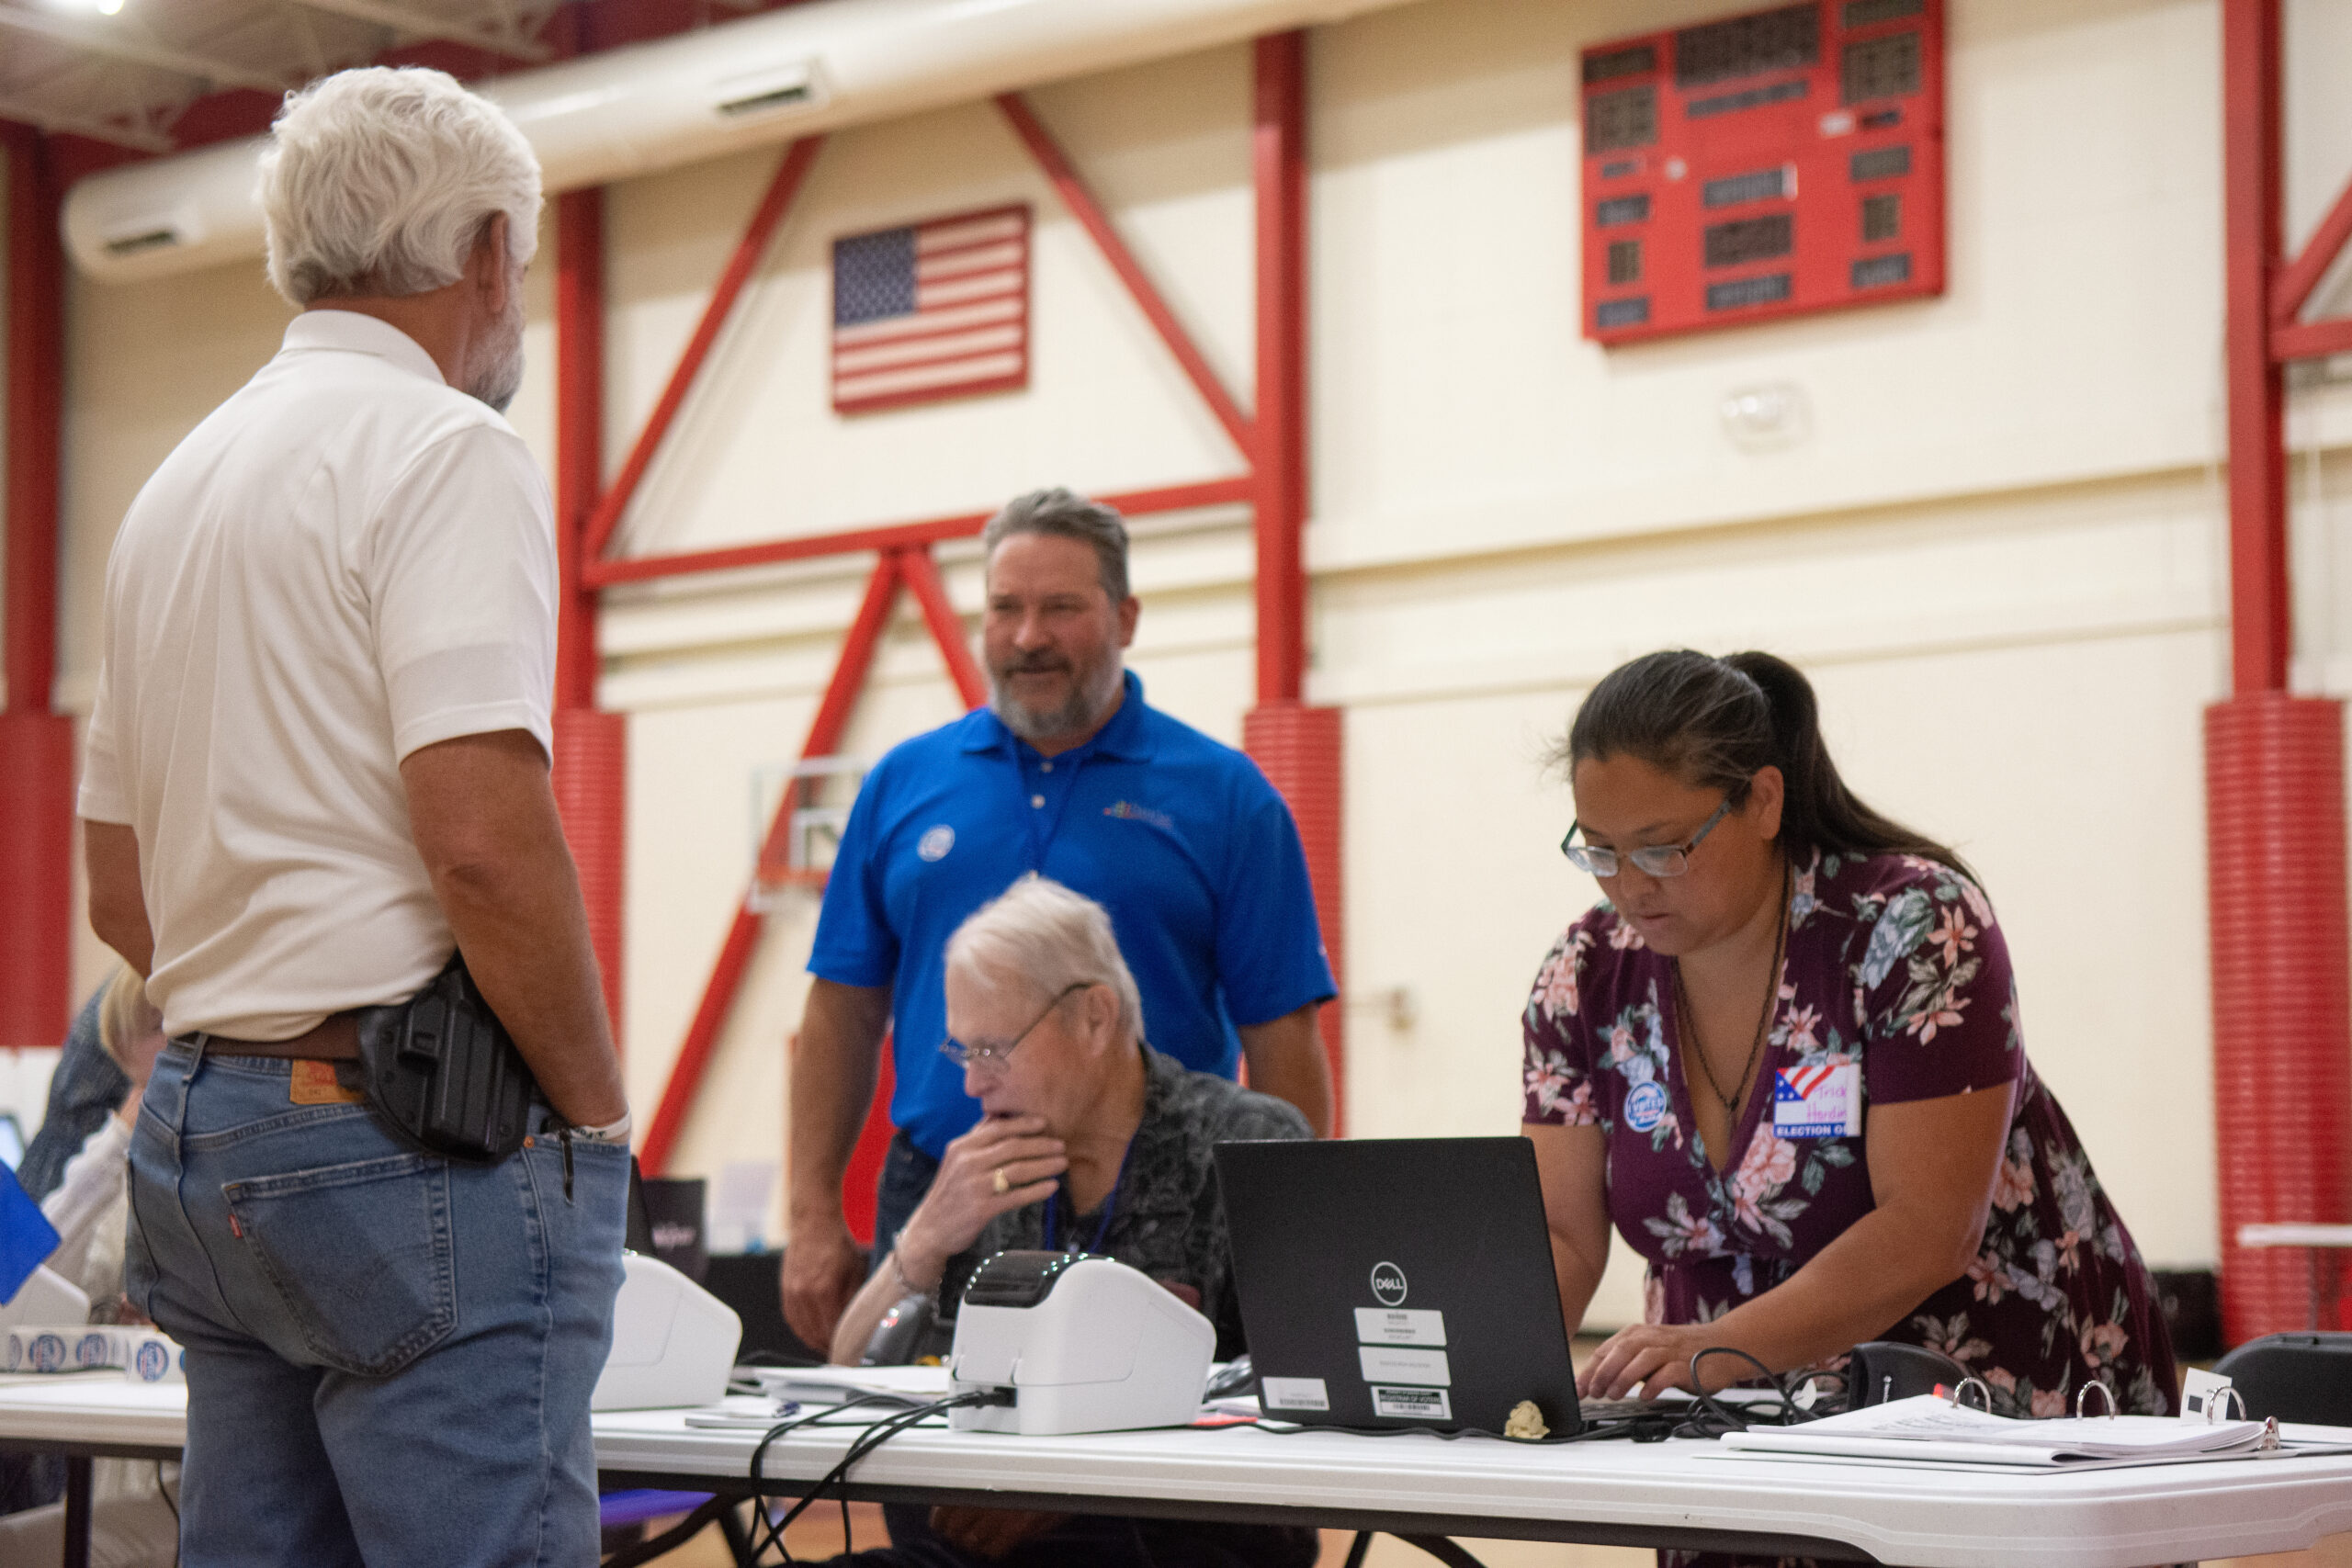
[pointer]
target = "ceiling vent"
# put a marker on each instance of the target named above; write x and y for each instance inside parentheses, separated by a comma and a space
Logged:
(760, 94)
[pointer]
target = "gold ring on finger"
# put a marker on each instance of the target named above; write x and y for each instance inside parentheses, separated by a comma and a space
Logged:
(998, 1182)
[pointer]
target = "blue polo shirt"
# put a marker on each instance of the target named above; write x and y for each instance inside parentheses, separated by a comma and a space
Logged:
(1180, 837)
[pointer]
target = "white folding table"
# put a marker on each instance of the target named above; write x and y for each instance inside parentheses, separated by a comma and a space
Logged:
(1673, 1494)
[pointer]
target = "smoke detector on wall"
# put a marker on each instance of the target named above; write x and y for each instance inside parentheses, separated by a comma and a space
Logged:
(1767, 418)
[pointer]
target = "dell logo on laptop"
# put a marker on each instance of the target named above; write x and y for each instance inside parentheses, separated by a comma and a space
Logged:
(1388, 1284)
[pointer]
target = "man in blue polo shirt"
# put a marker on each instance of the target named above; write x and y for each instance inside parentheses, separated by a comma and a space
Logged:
(1068, 774)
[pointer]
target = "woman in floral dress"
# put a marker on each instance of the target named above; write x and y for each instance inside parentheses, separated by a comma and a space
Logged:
(1783, 1059)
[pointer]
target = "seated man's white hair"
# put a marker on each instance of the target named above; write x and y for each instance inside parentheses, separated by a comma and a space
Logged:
(1039, 935)
(378, 181)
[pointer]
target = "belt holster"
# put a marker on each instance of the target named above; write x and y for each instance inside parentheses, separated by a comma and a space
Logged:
(442, 1072)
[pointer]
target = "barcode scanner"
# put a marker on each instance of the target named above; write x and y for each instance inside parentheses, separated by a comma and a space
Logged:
(1880, 1370)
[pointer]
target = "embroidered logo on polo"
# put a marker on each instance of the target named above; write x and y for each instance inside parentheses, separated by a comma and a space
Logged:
(935, 842)
(1130, 811)
(1646, 1107)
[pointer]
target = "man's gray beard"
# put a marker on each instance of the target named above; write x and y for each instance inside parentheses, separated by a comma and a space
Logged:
(497, 382)
(1088, 701)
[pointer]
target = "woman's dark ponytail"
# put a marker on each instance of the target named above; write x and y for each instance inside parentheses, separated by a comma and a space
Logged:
(1714, 722)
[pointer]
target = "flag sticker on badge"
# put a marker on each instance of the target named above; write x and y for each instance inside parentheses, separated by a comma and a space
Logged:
(932, 310)
(1820, 1100)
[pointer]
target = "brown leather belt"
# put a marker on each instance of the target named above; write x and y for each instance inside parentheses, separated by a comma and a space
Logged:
(336, 1040)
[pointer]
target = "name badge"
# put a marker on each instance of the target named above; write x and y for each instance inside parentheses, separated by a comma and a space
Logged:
(1822, 1100)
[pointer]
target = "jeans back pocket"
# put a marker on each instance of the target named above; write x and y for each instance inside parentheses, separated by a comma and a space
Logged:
(360, 1255)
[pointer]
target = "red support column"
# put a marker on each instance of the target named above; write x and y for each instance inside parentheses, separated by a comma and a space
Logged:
(2274, 772)
(1279, 159)
(1298, 747)
(2259, 636)
(590, 746)
(36, 744)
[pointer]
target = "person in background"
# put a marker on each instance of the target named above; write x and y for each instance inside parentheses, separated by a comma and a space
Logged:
(1066, 773)
(82, 1092)
(317, 764)
(90, 1202)
(1784, 1058)
(1090, 1141)
(132, 1501)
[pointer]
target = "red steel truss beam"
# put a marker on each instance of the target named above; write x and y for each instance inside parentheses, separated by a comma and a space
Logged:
(1273, 444)
(789, 174)
(932, 531)
(2259, 630)
(2291, 290)
(2311, 340)
(907, 566)
(742, 937)
(922, 574)
(1279, 158)
(1080, 201)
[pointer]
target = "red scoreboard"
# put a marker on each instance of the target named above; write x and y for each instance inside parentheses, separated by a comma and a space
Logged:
(1765, 165)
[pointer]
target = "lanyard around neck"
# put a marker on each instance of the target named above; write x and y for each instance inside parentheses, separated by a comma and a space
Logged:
(1110, 1206)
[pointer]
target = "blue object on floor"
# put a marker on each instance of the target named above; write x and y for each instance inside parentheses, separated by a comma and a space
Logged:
(614, 1510)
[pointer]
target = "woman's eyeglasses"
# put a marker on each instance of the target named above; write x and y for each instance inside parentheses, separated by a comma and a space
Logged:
(986, 1052)
(1653, 859)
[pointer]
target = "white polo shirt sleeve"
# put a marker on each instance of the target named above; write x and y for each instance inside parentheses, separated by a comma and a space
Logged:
(102, 798)
(459, 570)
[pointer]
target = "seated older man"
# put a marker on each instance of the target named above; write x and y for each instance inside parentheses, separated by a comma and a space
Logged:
(1090, 1141)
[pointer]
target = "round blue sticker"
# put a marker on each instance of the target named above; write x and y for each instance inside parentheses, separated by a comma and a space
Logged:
(1646, 1107)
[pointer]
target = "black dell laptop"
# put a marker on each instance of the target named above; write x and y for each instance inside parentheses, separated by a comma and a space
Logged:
(1405, 1281)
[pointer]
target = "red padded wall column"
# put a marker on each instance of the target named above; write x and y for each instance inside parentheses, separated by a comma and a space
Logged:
(36, 745)
(2282, 1061)
(1298, 747)
(2274, 784)
(591, 792)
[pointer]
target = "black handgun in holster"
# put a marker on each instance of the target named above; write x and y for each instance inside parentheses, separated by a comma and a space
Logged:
(443, 1074)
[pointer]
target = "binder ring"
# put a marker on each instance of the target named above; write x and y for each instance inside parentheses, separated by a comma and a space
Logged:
(2213, 1411)
(1983, 1393)
(2105, 1393)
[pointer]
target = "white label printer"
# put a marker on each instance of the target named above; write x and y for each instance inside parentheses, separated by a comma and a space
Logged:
(1070, 1343)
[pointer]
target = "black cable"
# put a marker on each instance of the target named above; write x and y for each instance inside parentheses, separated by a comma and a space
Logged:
(1715, 1418)
(769, 1530)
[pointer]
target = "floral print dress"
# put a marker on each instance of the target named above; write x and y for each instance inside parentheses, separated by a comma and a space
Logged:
(1896, 987)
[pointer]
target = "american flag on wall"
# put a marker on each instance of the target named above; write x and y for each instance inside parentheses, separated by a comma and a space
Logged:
(932, 310)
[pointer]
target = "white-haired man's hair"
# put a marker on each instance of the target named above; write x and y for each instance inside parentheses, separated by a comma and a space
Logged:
(1042, 937)
(378, 182)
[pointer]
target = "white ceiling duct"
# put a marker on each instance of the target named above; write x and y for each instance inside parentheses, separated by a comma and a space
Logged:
(656, 105)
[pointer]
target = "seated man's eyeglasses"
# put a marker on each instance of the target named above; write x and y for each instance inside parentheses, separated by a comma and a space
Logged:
(988, 1053)
(1654, 860)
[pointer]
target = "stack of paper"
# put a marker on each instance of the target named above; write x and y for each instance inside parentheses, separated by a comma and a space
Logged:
(1930, 1427)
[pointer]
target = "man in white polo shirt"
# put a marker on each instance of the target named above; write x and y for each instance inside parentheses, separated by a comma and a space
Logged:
(317, 765)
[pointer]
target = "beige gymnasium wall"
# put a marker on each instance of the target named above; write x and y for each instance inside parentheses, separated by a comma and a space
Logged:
(1996, 539)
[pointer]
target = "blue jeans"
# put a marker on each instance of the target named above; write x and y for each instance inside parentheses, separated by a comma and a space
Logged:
(389, 1354)
(906, 1175)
